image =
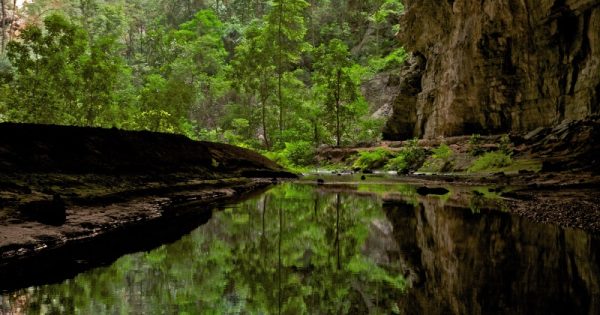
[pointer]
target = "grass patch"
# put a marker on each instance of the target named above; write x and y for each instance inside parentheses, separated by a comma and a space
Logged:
(440, 161)
(368, 160)
(490, 161)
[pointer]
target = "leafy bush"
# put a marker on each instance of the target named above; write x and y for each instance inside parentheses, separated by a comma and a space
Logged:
(411, 158)
(474, 145)
(300, 153)
(490, 160)
(398, 164)
(443, 152)
(369, 131)
(441, 159)
(394, 60)
(279, 158)
(372, 159)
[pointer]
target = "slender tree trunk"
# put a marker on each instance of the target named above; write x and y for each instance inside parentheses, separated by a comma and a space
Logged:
(337, 230)
(279, 263)
(280, 69)
(337, 107)
(264, 121)
(264, 210)
(312, 23)
(258, 9)
(316, 132)
(12, 20)
(2, 21)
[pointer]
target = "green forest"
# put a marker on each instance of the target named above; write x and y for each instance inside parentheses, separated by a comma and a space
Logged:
(282, 77)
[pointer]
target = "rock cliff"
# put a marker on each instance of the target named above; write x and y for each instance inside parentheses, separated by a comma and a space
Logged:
(496, 66)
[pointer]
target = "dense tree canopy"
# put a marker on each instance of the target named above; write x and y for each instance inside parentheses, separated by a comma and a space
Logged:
(279, 75)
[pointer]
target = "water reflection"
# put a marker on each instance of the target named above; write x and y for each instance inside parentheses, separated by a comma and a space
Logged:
(461, 261)
(293, 250)
(352, 247)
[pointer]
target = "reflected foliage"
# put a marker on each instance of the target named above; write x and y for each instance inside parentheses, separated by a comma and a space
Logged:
(293, 250)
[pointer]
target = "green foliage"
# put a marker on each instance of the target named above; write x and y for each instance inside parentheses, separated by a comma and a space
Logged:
(280, 158)
(490, 161)
(410, 158)
(300, 153)
(369, 160)
(440, 160)
(475, 145)
(368, 131)
(443, 152)
(47, 79)
(506, 145)
(295, 249)
(295, 156)
(199, 68)
(340, 88)
(392, 61)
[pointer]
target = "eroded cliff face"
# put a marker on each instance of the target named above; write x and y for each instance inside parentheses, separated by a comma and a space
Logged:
(498, 66)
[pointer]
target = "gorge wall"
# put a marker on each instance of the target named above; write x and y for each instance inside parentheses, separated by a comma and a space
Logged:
(494, 66)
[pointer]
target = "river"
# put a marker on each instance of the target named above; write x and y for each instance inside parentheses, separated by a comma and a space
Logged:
(346, 247)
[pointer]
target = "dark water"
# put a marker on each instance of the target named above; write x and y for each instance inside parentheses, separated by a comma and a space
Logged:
(372, 247)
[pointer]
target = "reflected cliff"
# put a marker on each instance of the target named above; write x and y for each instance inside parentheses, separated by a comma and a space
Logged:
(458, 261)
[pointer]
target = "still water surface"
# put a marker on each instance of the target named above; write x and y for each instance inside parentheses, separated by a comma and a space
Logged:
(374, 247)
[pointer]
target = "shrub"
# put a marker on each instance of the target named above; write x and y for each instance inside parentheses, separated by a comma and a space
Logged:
(411, 158)
(398, 164)
(474, 145)
(392, 61)
(300, 153)
(443, 152)
(279, 158)
(440, 160)
(369, 131)
(490, 160)
(372, 159)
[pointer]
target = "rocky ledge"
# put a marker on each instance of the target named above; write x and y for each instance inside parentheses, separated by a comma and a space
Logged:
(73, 197)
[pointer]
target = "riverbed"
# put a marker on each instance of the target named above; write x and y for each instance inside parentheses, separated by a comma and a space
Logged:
(345, 246)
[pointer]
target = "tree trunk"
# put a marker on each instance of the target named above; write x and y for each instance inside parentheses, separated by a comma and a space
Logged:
(280, 69)
(2, 32)
(12, 20)
(337, 230)
(312, 24)
(337, 107)
(264, 96)
(279, 262)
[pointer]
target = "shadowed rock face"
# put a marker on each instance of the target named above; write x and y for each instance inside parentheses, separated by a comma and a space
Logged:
(460, 262)
(497, 66)
(30, 148)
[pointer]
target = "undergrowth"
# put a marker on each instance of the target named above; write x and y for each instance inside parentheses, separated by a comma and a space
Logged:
(368, 160)
(440, 161)
(410, 158)
(490, 160)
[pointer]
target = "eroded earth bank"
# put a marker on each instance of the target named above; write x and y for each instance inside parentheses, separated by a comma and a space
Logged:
(72, 196)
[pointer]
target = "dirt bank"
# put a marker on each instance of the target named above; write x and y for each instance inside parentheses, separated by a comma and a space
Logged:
(75, 197)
